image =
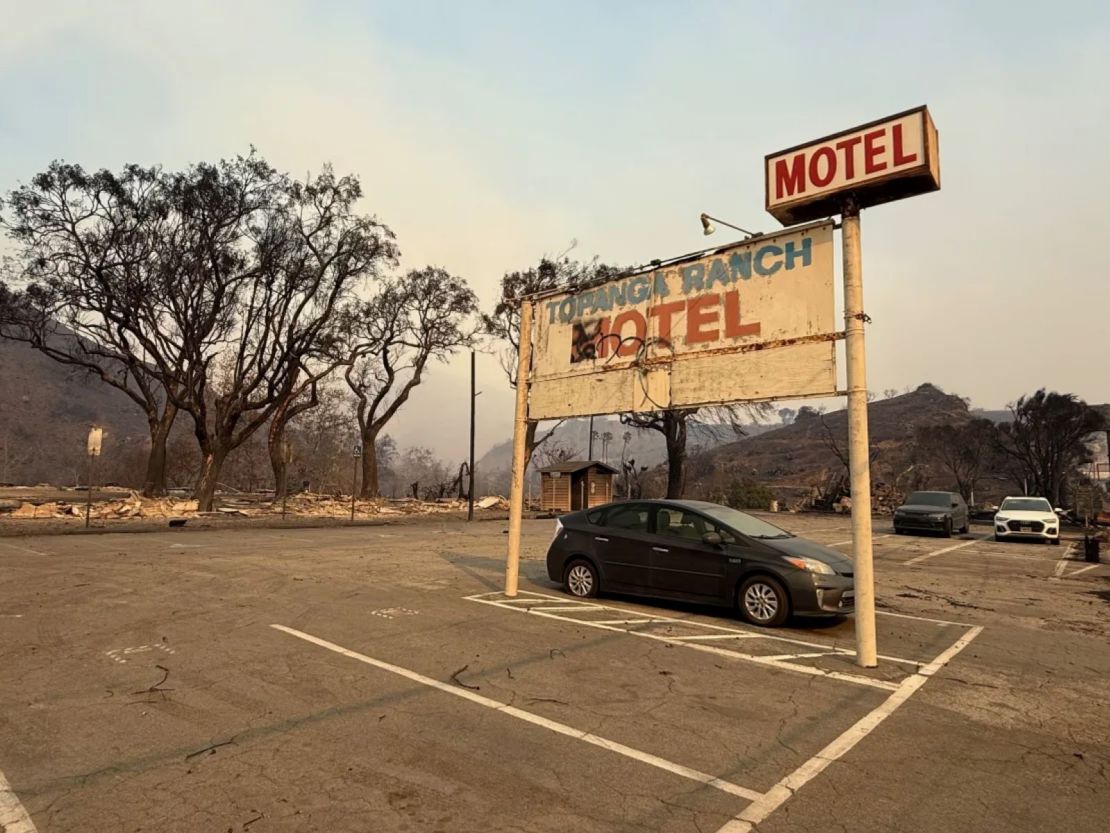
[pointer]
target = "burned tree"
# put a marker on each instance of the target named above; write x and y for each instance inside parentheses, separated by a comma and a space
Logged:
(962, 451)
(279, 261)
(412, 320)
(205, 291)
(1047, 439)
(674, 425)
(91, 248)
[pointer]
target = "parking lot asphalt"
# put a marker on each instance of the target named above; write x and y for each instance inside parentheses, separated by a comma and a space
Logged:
(376, 679)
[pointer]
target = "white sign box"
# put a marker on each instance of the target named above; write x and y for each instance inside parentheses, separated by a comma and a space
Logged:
(748, 322)
(879, 162)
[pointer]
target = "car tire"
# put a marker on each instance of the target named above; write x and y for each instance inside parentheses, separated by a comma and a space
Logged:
(998, 538)
(1055, 541)
(580, 579)
(763, 602)
(966, 528)
(947, 531)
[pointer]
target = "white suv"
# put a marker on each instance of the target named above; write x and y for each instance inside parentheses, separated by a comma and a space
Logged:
(1028, 518)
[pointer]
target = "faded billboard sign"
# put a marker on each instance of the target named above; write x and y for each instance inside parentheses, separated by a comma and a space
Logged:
(751, 321)
(878, 162)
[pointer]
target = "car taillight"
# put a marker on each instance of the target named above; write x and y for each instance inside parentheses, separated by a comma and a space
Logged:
(558, 529)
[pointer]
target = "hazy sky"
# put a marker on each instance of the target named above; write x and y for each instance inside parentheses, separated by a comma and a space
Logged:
(487, 134)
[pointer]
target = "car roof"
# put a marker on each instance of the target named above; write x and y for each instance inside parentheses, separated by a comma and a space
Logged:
(931, 492)
(689, 504)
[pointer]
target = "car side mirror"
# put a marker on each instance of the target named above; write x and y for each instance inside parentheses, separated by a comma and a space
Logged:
(713, 539)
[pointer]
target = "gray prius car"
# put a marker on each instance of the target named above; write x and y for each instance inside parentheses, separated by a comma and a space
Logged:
(693, 551)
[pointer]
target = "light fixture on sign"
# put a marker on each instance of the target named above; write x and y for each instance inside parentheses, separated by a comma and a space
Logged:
(708, 228)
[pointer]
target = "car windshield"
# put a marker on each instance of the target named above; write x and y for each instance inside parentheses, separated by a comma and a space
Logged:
(1026, 504)
(745, 524)
(929, 499)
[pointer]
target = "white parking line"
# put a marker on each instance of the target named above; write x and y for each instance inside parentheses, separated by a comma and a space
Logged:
(935, 553)
(1082, 570)
(775, 797)
(718, 636)
(13, 816)
(23, 549)
(842, 543)
(483, 598)
(520, 714)
(1062, 564)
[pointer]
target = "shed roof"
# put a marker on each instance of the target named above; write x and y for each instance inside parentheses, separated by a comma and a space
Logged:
(573, 466)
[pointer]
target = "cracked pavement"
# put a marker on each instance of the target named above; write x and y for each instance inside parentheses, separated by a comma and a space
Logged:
(253, 730)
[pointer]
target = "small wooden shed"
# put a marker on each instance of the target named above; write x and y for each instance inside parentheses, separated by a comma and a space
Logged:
(574, 485)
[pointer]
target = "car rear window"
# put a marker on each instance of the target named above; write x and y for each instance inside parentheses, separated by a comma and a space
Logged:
(633, 517)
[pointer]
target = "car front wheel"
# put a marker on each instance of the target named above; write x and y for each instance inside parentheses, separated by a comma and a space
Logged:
(580, 579)
(763, 602)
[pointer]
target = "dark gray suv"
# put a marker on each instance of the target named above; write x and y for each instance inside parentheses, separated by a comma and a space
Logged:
(943, 512)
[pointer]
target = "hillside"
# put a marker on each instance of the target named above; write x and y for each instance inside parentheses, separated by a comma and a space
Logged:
(804, 455)
(46, 410)
(644, 446)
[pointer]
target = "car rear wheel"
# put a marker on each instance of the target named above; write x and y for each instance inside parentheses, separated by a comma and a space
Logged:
(580, 579)
(763, 602)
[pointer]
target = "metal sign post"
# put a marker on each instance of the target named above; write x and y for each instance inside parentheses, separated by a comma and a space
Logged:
(354, 479)
(870, 164)
(470, 468)
(520, 429)
(96, 437)
(859, 454)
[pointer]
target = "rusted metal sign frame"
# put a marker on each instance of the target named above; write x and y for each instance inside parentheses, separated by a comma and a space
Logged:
(792, 367)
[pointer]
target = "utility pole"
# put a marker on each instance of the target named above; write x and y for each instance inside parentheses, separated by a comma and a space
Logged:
(590, 453)
(473, 400)
(859, 462)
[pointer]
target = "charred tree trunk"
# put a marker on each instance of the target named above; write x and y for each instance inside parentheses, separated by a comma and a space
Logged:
(275, 445)
(276, 449)
(674, 430)
(212, 462)
(154, 483)
(370, 486)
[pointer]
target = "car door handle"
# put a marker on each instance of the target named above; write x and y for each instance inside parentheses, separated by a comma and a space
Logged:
(599, 538)
(660, 549)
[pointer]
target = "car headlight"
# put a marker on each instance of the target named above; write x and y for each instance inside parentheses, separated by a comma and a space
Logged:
(1000, 519)
(811, 565)
(937, 516)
